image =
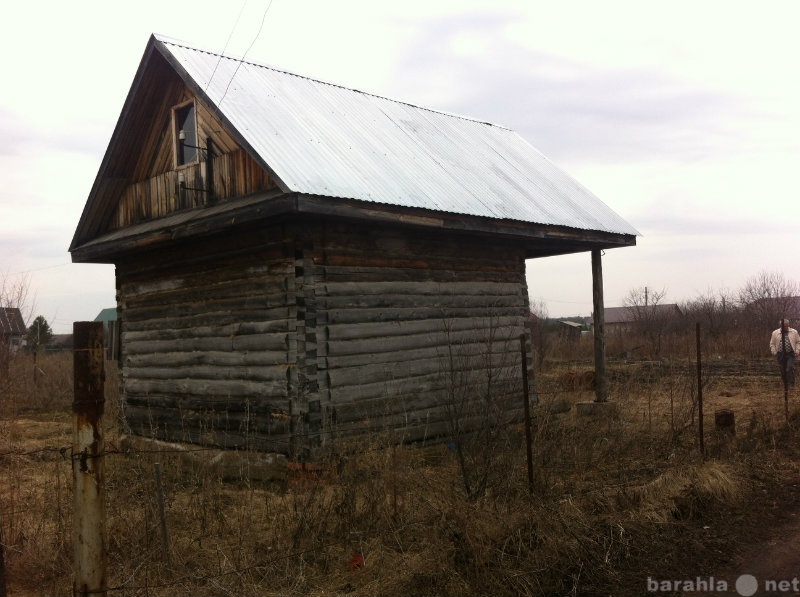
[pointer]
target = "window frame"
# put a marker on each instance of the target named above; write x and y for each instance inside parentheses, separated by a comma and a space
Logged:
(179, 151)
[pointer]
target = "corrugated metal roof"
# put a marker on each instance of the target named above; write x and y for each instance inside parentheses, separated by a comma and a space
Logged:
(324, 139)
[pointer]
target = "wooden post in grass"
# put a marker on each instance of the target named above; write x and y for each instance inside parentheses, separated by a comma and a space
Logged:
(700, 394)
(87, 460)
(601, 385)
(162, 512)
(527, 411)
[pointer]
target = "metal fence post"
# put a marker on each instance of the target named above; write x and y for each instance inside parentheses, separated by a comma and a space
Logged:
(89, 536)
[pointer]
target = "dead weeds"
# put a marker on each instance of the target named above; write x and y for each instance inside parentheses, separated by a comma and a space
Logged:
(616, 500)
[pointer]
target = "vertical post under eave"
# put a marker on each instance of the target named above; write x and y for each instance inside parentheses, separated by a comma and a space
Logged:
(601, 385)
(87, 462)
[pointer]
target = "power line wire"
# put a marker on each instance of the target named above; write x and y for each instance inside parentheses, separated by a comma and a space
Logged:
(222, 54)
(255, 39)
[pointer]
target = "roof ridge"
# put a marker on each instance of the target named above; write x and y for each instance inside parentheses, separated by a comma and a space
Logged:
(165, 39)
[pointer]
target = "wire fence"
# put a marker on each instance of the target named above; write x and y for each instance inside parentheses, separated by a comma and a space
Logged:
(144, 576)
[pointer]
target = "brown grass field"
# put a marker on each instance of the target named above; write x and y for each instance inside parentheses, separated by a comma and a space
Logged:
(616, 499)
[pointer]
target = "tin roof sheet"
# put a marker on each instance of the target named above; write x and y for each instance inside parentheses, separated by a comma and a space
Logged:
(324, 139)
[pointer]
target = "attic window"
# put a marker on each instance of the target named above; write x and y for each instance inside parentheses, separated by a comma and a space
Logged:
(186, 133)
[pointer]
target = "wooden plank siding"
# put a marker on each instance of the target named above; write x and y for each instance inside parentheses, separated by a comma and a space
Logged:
(235, 174)
(155, 189)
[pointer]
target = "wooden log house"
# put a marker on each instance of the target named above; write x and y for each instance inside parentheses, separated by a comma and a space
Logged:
(297, 262)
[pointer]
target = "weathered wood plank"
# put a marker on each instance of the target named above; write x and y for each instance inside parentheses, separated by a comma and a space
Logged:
(272, 373)
(267, 342)
(372, 329)
(418, 288)
(237, 388)
(264, 406)
(355, 316)
(218, 358)
(405, 301)
(401, 411)
(224, 311)
(186, 290)
(267, 320)
(461, 356)
(231, 330)
(235, 174)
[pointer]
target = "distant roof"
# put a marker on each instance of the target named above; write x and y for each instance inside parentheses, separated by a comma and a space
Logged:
(328, 140)
(572, 324)
(11, 322)
(106, 315)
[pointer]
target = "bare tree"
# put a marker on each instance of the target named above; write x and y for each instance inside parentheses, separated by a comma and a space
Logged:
(15, 293)
(537, 324)
(718, 312)
(481, 374)
(650, 320)
(767, 297)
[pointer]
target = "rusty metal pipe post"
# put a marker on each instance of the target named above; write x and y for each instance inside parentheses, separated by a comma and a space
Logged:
(527, 411)
(89, 536)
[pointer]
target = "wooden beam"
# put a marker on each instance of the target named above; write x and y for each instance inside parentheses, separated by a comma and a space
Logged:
(601, 385)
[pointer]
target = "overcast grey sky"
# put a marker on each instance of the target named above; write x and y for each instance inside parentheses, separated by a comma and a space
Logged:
(682, 116)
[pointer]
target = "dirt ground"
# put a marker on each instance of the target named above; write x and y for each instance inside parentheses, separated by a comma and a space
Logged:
(772, 554)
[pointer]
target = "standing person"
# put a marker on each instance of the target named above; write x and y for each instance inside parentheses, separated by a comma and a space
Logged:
(785, 345)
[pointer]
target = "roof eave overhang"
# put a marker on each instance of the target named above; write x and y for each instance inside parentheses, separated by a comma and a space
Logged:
(539, 240)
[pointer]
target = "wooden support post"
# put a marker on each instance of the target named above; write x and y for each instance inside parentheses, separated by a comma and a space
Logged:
(162, 513)
(601, 384)
(87, 460)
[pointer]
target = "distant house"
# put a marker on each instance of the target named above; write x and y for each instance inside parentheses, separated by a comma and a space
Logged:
(571, 330)
(620, 320)
(12, 329)
(107, 315)
(111, 331)
(296, 261)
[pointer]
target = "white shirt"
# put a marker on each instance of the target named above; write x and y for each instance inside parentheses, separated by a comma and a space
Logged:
(792, 337)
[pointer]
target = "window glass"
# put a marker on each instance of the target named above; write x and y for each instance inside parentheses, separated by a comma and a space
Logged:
(185, 122)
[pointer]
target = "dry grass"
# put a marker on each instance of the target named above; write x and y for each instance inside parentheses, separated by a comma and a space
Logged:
(613, 497)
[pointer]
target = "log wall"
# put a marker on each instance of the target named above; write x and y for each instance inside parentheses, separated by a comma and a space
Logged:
(293, 337)
(206, 337)
(409, 326)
